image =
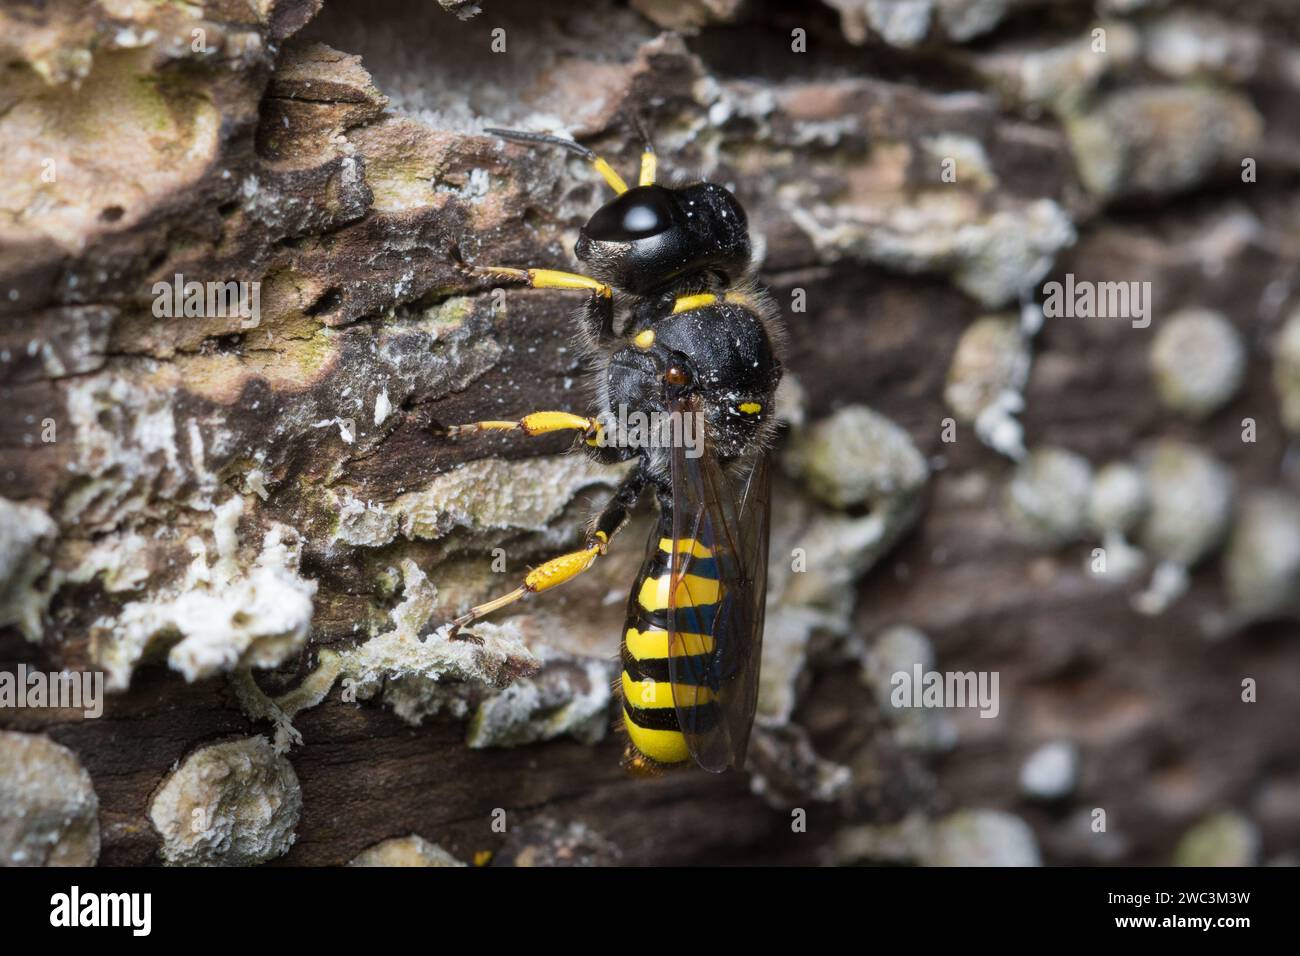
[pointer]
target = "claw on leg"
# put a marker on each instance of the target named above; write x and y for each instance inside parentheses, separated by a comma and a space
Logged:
(480, 611)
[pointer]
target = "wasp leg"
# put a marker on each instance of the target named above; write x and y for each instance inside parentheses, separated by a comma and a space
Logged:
(537, 423)
(599, 313)
(541, 578)
(567, 566)
(686, 303)
(547, 279)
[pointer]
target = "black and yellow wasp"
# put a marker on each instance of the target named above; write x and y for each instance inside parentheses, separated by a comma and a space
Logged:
(679, 334)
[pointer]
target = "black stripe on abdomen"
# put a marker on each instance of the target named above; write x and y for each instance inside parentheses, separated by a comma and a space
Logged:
(702, 717)
(692, 669)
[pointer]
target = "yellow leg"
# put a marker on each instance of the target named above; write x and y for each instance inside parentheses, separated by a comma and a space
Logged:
(702, 300)
(546, 279)
(541, 578)
(685, 303)
(538, 423)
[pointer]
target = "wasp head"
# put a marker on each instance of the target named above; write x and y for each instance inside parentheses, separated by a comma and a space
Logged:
(649, 237)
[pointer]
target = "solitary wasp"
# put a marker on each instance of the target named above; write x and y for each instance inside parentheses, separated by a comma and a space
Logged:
(695, 342)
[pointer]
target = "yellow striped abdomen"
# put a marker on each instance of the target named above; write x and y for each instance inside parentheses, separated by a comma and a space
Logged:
(649, 709)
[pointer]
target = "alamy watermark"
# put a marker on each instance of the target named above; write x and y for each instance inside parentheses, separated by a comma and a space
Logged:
(636, 429)
(951, 689)
(74, 690)
(1098, 300)
(208, 300)
(133, 911)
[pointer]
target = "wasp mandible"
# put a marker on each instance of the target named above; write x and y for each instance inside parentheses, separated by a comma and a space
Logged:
(678, 332)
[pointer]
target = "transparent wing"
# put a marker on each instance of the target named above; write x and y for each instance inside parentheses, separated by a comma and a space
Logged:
(716, 603)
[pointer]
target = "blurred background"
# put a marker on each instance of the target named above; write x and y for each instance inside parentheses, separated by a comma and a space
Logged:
(1040, 265)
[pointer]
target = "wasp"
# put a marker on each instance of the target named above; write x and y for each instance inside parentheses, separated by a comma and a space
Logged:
(678, 333)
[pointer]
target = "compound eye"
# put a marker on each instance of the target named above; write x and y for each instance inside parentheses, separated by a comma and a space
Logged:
(638, 213)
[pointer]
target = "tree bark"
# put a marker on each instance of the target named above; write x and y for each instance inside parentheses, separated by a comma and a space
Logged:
(249, 523)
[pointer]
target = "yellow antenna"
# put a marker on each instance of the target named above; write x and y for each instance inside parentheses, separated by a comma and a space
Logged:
(647, 167)
(648, 159)
(606, 171)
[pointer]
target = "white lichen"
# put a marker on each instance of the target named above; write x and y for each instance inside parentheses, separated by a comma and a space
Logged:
(1261, 565)
(413, 660)
(964, 838)
(487, 494)
(1119, 498)
(1198, 361)
(413, 850)
(991, 256)
(982, 838)
(22, 529)
(228, 804)
(1191, 502)
(383, 407)
(1060, 77)
(986, 381)
(255, 483)
(1047, 498)
(966, 156)
(222, 616)
(1190, 44)
(1050, 772)
(1116, 507)
(1161, 139)
(567, 697)
(859, 457)
(48, 807)
(125, 447)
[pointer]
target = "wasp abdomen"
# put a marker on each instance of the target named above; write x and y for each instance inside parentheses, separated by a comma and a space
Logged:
(650, 711)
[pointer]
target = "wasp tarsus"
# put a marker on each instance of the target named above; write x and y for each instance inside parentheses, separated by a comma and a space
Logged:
(469, 637)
